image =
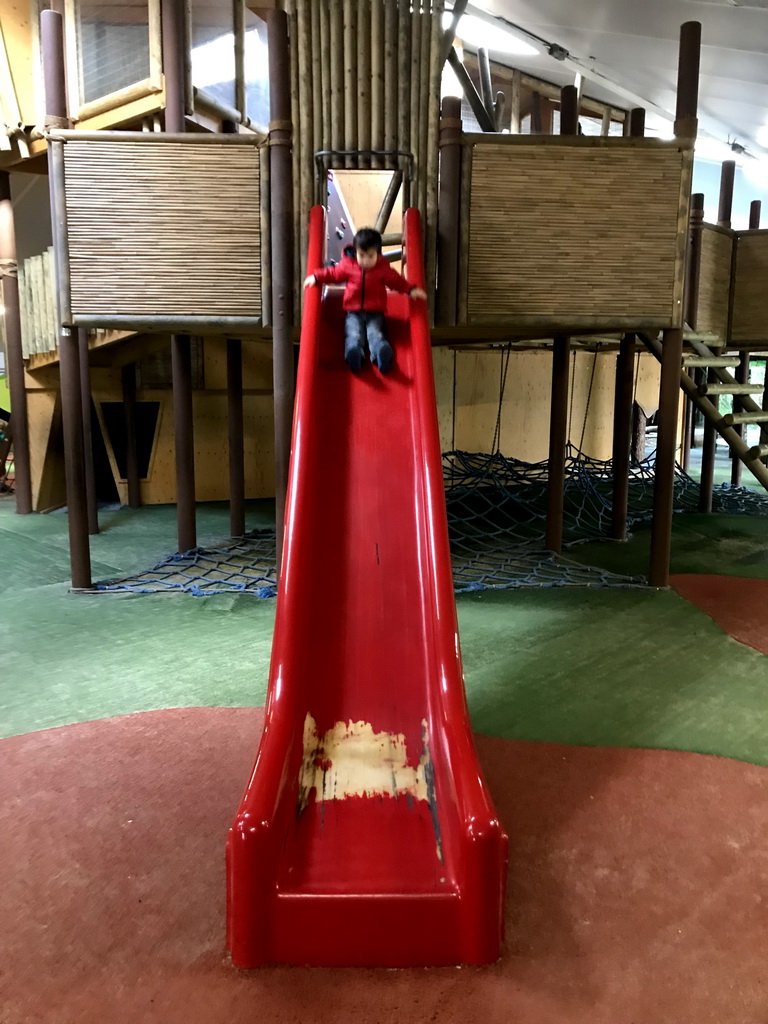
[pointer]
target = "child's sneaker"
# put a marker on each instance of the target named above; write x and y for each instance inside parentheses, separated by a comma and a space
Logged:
(354, 359)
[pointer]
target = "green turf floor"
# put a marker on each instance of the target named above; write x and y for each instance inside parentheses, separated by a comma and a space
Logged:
(722, 544)
(635, 668)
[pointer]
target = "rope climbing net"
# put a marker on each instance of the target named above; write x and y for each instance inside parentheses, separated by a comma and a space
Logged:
(496, 521)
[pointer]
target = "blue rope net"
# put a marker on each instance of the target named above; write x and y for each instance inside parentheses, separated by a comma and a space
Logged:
(496, 522)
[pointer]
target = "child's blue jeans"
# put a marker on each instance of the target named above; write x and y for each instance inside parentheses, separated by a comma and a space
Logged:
(357, 327)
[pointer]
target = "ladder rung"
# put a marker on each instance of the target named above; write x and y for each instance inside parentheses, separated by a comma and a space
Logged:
(734, 419)
(719, 361)
(758, 451)
(731, 389)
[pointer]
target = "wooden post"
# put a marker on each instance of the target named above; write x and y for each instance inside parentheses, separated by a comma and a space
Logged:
(350, 79)
(52, 46)
(236, 442)
(755, 208)
(686, 125)
(85, 405)
(569, 110)
(666, 450)
(624, 398)
(363, 65)
(128, 380)
(686, 115)
(742, 377)
(336, 57)
(390, 73)
(514, 122)
(9, 296)
(449, 212)
(377, 78)
(281, 212)
(725, 205)
(691, 306)
(708, 453)
(536, 115)
(622, 435)
(558, 440)
(637, 122)
(174, 58)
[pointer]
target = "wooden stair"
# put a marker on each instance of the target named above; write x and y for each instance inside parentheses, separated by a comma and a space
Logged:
(702, 395)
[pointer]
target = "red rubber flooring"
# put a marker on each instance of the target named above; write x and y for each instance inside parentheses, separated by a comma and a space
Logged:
(738, 605)
(637, 888)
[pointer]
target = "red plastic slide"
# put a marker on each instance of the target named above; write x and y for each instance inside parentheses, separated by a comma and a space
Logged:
(366, 835)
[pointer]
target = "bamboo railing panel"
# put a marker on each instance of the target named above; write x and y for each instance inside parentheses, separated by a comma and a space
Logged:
(37, 305)
(750, 294)
(577, 232)
(378, 61)
(163, 229)
(714, 280)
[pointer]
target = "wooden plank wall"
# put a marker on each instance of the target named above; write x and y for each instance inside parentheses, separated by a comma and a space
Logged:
(715, 279)
(750, 296)
(586, 232)
(163, 228)
(210, 419)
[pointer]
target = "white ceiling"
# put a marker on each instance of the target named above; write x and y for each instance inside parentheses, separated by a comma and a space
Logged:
(634, 45)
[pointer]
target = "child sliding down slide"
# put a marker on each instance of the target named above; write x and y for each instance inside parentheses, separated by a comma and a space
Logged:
(367, 275)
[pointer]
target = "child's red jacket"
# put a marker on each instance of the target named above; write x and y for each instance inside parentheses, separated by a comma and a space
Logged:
(366, 290)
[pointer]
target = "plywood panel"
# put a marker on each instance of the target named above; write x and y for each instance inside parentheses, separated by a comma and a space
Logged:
(16, 28)
(526, 403)
(257, 364)
(750, 298)
(42, 414)
(577, 234)
(714, 281)
(443, 360)
(211, 455)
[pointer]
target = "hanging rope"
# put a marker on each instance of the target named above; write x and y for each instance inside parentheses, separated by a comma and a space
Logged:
(589, 399)
(503, 367)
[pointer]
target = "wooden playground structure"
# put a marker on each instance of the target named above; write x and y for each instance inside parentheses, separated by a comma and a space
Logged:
(169, 301)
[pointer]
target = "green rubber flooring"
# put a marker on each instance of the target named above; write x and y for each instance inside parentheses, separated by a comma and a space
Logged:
(607, 667)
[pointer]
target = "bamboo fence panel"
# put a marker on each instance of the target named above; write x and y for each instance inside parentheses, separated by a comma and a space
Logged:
(577, 234)
(750, 295)
(364, 79)
(413, 83)
(350, 78)
(37, 305)
(337, 74)
(325, 75)
(404, 78)
(305, 127)
(148, 235)
(367, 76)
(425, 85)
(714, 281)
(296, 161)
(317, 79)
(391, 24)
(378, 44)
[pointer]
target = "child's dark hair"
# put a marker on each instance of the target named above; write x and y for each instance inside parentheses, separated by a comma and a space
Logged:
(367, 238)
